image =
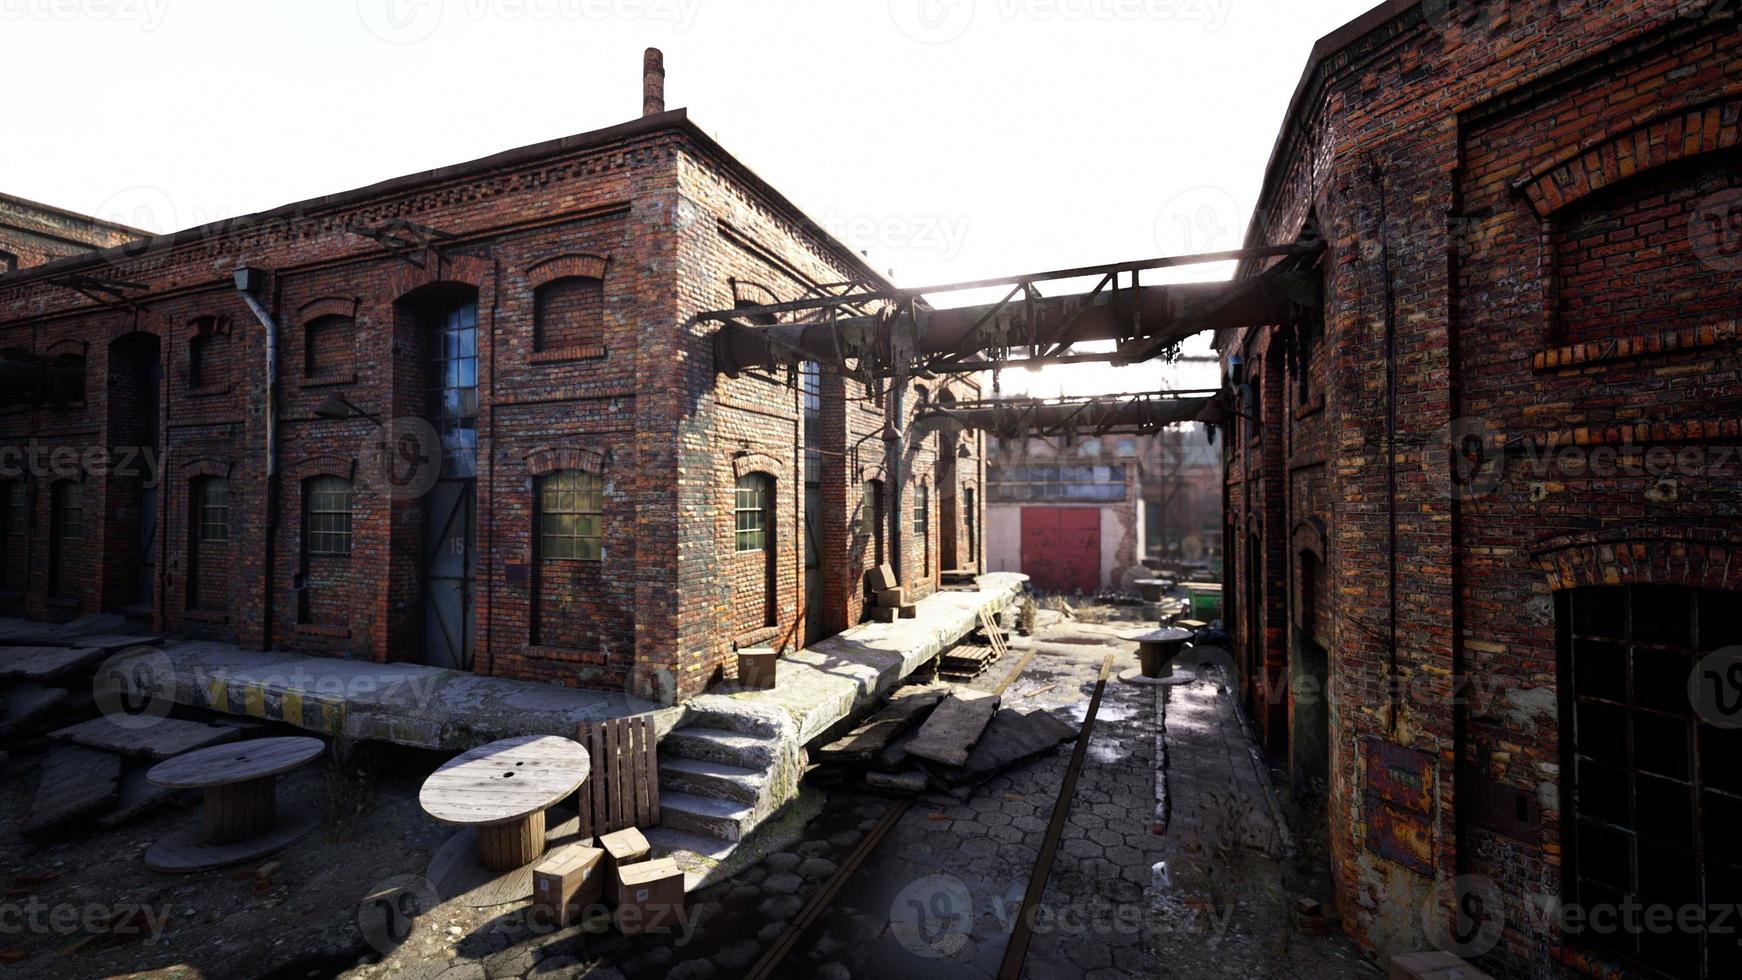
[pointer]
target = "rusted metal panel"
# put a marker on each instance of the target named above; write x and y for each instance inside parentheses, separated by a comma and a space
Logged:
(1400, 836)
(1400, 776)
(1505, 810)
(1061, 548)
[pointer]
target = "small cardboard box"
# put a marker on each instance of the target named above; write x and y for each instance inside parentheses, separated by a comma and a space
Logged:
(884, 614)
(623, 848)
(909, 611)
(758, 667)
(649, 897)
(893, 598)
(882, 577)
(568, 882)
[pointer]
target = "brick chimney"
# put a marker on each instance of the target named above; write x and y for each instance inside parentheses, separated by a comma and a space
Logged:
(652, 82)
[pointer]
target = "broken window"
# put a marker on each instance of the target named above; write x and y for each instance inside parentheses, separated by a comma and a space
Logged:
(329, 515)
(1652, 791)
(755, 493)
(571, 510)
(207, 366)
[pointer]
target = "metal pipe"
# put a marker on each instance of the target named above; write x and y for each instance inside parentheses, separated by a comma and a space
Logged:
(249, 283)
(1142, 414)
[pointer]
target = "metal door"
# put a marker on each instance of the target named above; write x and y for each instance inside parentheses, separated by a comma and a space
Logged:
(1061, 548)
(447, 578)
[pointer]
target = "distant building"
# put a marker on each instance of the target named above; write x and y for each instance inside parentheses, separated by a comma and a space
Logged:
(1081, 517)
(32, 233)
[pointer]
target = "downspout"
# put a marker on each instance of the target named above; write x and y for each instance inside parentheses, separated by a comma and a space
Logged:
(249, 283)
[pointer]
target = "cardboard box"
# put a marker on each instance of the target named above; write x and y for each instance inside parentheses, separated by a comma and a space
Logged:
(1433, 965)
(568, 882)
(884, 614)
(880, 578)
(758, 668)
(649, 897)
(623, 848)
(909, 611)
(893, 598)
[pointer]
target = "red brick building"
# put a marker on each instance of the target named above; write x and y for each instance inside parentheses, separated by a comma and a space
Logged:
(494, 438)
(32, 233)
(1488, 493)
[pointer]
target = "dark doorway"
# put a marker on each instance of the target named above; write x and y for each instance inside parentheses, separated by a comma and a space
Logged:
(450, 329)
(135, 446)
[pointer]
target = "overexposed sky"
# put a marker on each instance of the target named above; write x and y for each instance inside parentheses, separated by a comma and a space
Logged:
(949, 139)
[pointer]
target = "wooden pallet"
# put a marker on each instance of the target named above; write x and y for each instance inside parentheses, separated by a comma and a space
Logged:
(622, 790)
(966, 662)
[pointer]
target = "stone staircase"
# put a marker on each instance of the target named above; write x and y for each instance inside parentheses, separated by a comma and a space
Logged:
(725, 769)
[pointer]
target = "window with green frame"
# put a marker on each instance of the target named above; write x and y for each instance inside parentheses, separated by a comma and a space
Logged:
(571, 514)
(750, 511)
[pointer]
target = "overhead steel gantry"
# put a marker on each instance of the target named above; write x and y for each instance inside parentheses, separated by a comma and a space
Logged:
(892, 335)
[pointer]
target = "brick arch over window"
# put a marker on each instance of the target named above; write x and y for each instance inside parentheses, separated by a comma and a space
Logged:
(748, 293)
(1705, 558)
(1309, 536)
(746, 463)
(345, 306)
(206, 466)
(550, 459)
(1670, 138)
(464, 270)
(312, 466)
(568, 306)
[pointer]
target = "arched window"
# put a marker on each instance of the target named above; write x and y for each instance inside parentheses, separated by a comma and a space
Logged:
(755, 495)
(567, 313)
(327, 506)
(329, 347)
(571, 514)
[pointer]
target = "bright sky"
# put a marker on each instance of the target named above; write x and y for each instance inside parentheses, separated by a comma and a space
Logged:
(950, 139)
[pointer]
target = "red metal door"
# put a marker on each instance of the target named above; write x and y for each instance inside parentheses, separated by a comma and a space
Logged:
(1061, 548)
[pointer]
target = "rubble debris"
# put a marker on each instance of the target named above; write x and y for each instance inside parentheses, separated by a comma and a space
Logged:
(163, 738)
(904, 710)
(954, 726)
(1011, 737)
(25, 703)
(46, 663)
(75, 781)
(908, 782)
(137, 795)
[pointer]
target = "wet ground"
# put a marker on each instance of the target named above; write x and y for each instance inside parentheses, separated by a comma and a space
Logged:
(937, 898)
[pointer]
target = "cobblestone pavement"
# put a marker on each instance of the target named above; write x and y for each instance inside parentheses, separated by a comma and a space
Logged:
(939, 897)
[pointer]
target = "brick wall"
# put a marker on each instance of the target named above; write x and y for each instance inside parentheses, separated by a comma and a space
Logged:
(1516, 263)
(625, 234)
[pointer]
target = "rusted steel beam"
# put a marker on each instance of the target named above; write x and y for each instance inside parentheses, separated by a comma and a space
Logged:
(1164, 315)
(1092, 416)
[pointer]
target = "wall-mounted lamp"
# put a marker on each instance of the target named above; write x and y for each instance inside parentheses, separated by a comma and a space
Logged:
(337, 406)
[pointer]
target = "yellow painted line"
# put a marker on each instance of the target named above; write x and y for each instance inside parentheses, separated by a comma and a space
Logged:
(254, 700)
(219, 695)
(290, 706)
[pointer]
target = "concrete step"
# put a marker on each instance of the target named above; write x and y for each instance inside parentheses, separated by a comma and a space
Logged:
(718, 745)
(699, 777)
(729, 714)
(699, 857)
(706, 816)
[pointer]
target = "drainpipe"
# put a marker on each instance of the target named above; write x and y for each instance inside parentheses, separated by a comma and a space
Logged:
(250, 282)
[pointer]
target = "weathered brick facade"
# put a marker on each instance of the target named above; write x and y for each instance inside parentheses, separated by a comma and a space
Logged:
(1524, 384)
(32, 233)
(582, 263)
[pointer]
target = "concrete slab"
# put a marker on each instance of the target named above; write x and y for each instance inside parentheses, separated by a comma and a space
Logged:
(146, 736)
(26, 702)
(1012, 737)
(75, 781)
(867, 741)
(408, 704)
(115, 641)
(136, 795)
(47, 663)
(948, 736)
(909, 782)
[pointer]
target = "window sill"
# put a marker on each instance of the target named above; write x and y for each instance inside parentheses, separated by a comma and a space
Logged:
(323, 381)
(1638, 345)
(574, 352)
(567, 654)
(323, 629)
(1314, 406)
(757, 637)
(208, 391)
